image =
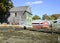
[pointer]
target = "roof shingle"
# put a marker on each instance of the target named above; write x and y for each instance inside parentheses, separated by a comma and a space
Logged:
(21, 8)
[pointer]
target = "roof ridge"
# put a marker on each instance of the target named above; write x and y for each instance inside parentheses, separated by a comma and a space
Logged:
(20, 8)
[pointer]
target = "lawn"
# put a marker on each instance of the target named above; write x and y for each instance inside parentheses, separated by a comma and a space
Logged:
(26, 36)
(9, 34)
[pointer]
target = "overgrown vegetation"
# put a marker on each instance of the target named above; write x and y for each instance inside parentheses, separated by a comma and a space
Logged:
(5, 6)
(26, 36)
(47, 17)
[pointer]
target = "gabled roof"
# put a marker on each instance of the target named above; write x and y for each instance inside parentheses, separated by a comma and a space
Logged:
(39, 21)
(21, 8)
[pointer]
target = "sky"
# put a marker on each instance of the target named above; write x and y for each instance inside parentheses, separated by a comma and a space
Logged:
(40, 7)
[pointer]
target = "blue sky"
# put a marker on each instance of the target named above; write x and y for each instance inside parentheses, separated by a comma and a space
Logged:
(40, 7)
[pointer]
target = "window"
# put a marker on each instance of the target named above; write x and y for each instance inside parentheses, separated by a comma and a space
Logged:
(15, 14)
(59, 22)
(55, 21)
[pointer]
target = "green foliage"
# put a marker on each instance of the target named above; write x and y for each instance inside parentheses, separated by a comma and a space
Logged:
(45, 16)
(5, 6)
(55, 16)
(52, 17)
(36, 17)
(2, 8)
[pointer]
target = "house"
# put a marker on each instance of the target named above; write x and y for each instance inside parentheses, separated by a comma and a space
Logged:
(40, 24)
(20, 16)
(56, 23)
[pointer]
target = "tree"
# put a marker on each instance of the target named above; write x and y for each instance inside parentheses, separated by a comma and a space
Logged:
(36, 17)
(52, 18)
(55, 16)
(5, 6)
(45, 16)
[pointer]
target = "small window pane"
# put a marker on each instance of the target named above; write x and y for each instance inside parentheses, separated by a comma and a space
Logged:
(15, 14)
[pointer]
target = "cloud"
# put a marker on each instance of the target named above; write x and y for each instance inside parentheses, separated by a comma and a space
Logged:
(33, 3)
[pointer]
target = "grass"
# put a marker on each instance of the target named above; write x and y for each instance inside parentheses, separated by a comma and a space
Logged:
(26, 36)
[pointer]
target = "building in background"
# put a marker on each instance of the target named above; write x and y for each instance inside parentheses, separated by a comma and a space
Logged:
(40, 24)
(20, 16)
